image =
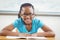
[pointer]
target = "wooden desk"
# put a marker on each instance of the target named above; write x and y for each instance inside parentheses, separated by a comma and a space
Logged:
(4, 37)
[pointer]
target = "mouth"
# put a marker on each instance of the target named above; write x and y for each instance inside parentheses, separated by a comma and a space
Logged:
(27, 21)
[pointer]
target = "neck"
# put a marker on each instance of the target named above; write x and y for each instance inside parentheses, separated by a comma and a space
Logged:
(28, 24)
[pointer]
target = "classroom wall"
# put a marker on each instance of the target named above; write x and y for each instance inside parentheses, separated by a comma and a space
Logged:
(52, 21)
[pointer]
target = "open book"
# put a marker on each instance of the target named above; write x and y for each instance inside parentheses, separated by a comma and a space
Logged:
(15, 37)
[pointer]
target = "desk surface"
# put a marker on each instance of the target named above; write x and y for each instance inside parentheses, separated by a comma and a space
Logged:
(4, 37)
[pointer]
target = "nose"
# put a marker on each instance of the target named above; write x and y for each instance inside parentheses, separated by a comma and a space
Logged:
(27, 16)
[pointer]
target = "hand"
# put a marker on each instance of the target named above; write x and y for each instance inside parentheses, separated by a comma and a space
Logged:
(38, 34)
(34, 35)
(24, 35)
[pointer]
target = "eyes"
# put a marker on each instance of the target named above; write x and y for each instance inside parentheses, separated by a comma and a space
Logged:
(27, 11)
(30, 14)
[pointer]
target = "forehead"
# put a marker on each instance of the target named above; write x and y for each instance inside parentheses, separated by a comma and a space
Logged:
(27, 9)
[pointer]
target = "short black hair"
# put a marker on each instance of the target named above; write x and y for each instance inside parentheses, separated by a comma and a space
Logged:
(24, 5)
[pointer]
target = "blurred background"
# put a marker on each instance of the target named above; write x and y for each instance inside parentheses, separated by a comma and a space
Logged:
(48, 11)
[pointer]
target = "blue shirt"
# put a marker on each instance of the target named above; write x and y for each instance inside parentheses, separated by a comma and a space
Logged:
(19, 24)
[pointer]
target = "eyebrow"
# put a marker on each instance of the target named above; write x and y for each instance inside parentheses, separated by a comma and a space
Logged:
(29, 13)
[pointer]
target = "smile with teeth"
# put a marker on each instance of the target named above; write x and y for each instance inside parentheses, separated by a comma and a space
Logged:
(27, 19)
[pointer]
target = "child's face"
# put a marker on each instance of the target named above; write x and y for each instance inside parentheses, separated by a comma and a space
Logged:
(27, 14)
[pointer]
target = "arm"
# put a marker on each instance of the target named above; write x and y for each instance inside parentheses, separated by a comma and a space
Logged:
(7, 31)
(47, 32)
(23, 34)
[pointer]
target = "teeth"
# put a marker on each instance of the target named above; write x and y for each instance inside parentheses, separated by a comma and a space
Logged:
(27, 19)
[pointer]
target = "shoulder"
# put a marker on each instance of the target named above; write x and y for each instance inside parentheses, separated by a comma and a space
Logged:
(18, 20)
(36, 20)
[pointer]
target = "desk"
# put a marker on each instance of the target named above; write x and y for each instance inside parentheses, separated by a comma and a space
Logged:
(4, 37)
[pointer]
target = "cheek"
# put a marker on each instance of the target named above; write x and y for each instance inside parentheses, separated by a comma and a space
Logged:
(26, 17)
(31, 17)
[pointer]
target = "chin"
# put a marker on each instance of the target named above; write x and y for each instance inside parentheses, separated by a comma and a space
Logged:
(27, 23)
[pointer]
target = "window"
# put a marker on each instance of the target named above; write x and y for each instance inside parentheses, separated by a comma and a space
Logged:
(41, 6)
